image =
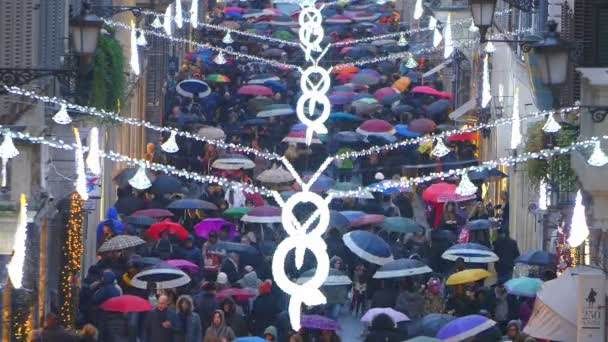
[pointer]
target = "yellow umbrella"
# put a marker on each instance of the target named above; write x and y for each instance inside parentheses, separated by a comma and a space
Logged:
(402, 83)
(468, 276)
(425, 147)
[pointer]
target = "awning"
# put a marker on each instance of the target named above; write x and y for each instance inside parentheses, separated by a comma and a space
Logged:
(436, 69)
(462, 110)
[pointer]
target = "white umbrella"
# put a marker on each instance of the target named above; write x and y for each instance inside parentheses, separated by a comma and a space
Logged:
(212, 133)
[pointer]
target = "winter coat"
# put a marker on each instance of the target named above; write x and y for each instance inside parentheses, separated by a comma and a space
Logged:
(112, 221)
(233, 319)
(384, 298)
(108, 288)
(231, 270)
(113, 327)
(191, 330)
(383, 330)
(507, 251)
(411, 304)
(220, 331)
(263, 313)
(205, 304)
(191, 254)
(153, 331)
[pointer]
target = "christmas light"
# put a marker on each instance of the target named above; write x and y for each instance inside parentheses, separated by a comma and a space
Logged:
(134, 62)
(432, 23)
(437, 38)
(140, 180)
(448, 45)
(81, 176)
(170, 146)
(490, 48)
(402, 41)
(227, 38)
(15, 266)
(598, 157)
(418, 10)
(486, 93)
(515, 127)
(179, 18)
(473, 28)
(551, 125)
(219, 59)
(440, 149)
(62, 117)
(466, 187)
(157, 23)
(141, 39)
(194, 14)
(93, 161)
(411, 62)
(579, 231)
(167, 21)
(7, 151)
(542, 195)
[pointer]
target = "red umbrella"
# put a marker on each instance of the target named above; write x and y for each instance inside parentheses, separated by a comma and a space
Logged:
(238, 295)
(345, 78)
(382, 92)
(177, 229)
(443, 192)
(153, 213)
(367, 220)
(376, 126)
(425, 90)
(255, 90)
(466, 136)
(422, 126)
(126, 303)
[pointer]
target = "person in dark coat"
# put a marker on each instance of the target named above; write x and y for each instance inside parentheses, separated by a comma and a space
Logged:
(108, 288)
(113, 327)
(384, 297)
(191, 330)
(265, 309)
(188, 251)
(205, 304)
(507, 251)
(230, 266)
(233, 319)
(161, 323)
(52, 331)
(383, 330)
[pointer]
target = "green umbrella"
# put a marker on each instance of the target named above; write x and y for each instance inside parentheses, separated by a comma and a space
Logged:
(217, 78)
(400, 225)
(284, 35)
(236, 212)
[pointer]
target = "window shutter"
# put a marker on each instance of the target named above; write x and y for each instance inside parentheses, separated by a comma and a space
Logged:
(601, 36)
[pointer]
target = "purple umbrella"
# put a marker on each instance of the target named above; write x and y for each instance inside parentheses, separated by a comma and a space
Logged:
(464, 327)
(319, 322)
(338, 100)
(182, 264)
(203, 228)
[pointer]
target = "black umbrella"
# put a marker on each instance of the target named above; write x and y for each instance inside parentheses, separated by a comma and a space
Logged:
(402, 268)
(430, 324)
(228, 247)
(191, 203)
(140, 220)
(443, 234)
(486, 174)
(537, 258)
(165, 184)
(143, 262)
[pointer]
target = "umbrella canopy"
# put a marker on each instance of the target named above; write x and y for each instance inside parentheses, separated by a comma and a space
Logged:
(443, 192)
(250, 339)
(163, 276)
(165, 184)
(368, 246)
(348, 137)
(400, 225)
(192, 203)
(383, 92)
(120, 242)
(322, 184)
(319, 322)
(343, 116)
(345, 69)
(229, 247)
(364, 78)
(238, 295)
(368, 219)
(192, 88)
(404, 131)
(486, 175)
(537, 258)
(144, 221)
(143, 262)
(395, 315)
(470, 252)
(275, 175)
(465, 136)
(430, 324)
(263, 214)
(464, 327)
(402, 268)
(124, 175)
(335, 277)
(258, 103)
(337, 220)
(182, 265)
(467, 276)
(523, 286)
(212, 133)
(174, 228)
(423, 339)
(233, 162)
(206, 226)
(126, 303)
(255, 90)
(352, 214)
(390, 99)
(274, 52)
(422, 126)
(276, 110)
(236, 212)
(217, 78)
(480, 224)
(300, 138)
(376, 126)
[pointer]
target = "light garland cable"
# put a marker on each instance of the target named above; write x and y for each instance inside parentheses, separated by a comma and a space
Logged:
(486, 94)
(193, 14)
(81, 176)
(93, 161)
(134, 61)
(136, 122)
(15, 266)
(515, 127)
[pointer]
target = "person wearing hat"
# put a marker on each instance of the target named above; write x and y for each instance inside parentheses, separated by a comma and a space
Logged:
(222, 281)
(265, 309)
(230, 266)
(270, 333)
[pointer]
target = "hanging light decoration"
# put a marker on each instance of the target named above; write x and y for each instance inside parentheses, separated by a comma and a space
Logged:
(179, 15)
(551, 125)
(598, 157)
(402, 41)
(418, 9)
(411, 62)
(542, 195)
(170, 146)
(486, 94)
(7, 151)
(15, 266)
(437, 37)
(167, 20)
(466, 187)
(227, 38)
(140, 180)
(432, 23)
(81, 176)
(440, 149)
(578, 229)
(448, 44)
(62, 117)
(157, 23)
(93, 158)
(194, 14)
(141, 39)
(134, 52)
(515, 125)
(219, 59)
(473, 28)
(490, 47)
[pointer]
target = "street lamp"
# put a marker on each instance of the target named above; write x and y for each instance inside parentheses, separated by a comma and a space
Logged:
(483, 14)
(553, 56)
(85, 30)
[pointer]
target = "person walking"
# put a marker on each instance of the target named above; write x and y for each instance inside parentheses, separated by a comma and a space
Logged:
(383, 329)
(205, 304)
(161, 323)
(234, 319)
(265, 309)
(218, 329)
(52, 331)
(507, 251)
(190, 322)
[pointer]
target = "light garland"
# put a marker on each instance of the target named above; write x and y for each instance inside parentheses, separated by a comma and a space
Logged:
(170, 146)
(166, 21)
(227, 38)
(418, 9)
(579, 231)
(81, 179)
(62, 117)
(473, 28)
(598, 157)
(134, 61)
(136, 122)
(140, 180)
(219, 59)
(156, 23)
(515, 127)
(440, 150)
(141, 40)
(542, 195)
(551, 125)
(93, 161)
(15, 266)
(179, 15)
(402, 41)
(194, 14)
(411, 62)
(7, 151)
(466, 187)
(448, 44)
(490, 48)
(486, 94)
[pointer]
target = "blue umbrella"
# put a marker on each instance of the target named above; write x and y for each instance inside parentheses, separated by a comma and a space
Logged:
(486, 174)
(523, 286)
(402, 268)
(464, 327)
(380, 139)
(276, 86)
(537, 258)
(299, 127)
(250, 339)
(403, 131)
(322, 184)
(430, 324)
(360, 96)
(400, 225)
(337, 220)
(239, 248)
(470, 252)
(256, 122)
(192, 87)
(344, 116)
(368, 246)
(480, 224)
(352, 215)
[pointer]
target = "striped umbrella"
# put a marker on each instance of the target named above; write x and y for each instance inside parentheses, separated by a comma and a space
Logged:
(402, 268)
(470, 252)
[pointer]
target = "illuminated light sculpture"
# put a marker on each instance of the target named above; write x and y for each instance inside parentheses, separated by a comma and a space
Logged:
(167, 21)
(81, 176)
(220, 59)
(157, 23)
(93, 162)
(7, 151)
(418, 9)
(578, 229)
(194, 14)
(448, 44)
(466, 187)
(15, 266)
(62, 117)
(551, 125)
(486, 94)
(227, 38)
(179, 15)
(140, 180)
(134, 62)
(402, 41)
(598, 157)
(490, 48)
(542, 195)
(411, 62)
(516, 124)
(440, 149)
(473, 28)
(141, 39)
(170, 146)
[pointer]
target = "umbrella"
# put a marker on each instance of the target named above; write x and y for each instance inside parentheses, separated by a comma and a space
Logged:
(348, 137)
(250, 339)
(375, 126)
(300, 138)
(422, 126)
(174, 228)
(120, 242)
(423, 339)
(486, 175)
(430, 324)
(339, 100)
(228, 247)
(192, 203)
(263, 214)
(367, 79)
(426, 90)
(284, 35)
(337, 220)
(345, 78)
(470, 252)
(319, 322)
(523, 286)
(345, 69)
(274, 52)
(402, 84)
(343, 116)
(368, 219)
(262, 78)
(395, 315)
(163, 276)
(256, 90)
(537, 258)
(217, 78)
(368, 246)
(142, 262)
(124, 175)
(443, 192)
(322, 184)
(352, 214)
(255, 122)
(182, 264)
(402, 268)
(140, 220)
(464, 327)
(389, 99)
(338, 19)
(153, 213)
(276, 110)
(480, 224)
(465, 136)
(233, 162)
(276, 86)
(403, 130)
(335, 277)
(126, 303)
(165, 184)
(192, 88)
(258, 103)
(238, 295)
(400, 225)
(231, 24)
(467, 276)
(437, 107)
(382, 92)
(206, 226)
(275, 175)
(236, 212)
(212, 133)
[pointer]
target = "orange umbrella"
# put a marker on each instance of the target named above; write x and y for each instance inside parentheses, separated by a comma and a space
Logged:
(345, 69)
(402, 83)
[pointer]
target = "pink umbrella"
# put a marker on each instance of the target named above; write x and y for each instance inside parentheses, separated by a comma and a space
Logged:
(422, 126)
(375, 126)
(445, 95)
(432, 91)
(443, 192)
(239, 295)
(345, 78)
(206, 226)
(343, 93)
(263, 214)
(382, 92)
(367, 220)
(357, 87)
(182, 264)
(256, 90)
